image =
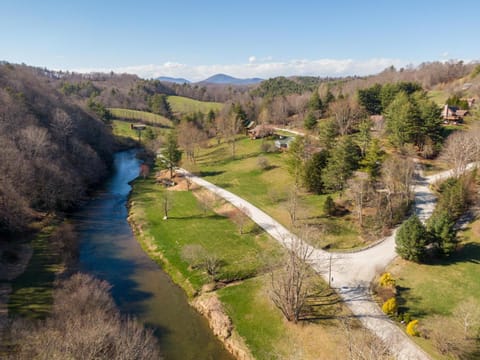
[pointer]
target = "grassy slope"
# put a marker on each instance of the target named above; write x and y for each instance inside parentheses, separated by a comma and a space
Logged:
(183, 105)
(269, 336)
(187, 224)
(269, 189)
(439, 288)
(262, 326)
(143, 116)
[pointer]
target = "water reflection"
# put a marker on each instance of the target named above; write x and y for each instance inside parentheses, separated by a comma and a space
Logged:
(109, 251)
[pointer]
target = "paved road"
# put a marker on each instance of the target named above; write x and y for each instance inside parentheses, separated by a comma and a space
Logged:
(351, 273)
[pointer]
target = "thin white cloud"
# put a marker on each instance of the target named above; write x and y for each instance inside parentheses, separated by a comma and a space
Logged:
(263, 69)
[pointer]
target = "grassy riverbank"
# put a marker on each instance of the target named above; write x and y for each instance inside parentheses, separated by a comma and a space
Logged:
(245, 260)
(240, 255)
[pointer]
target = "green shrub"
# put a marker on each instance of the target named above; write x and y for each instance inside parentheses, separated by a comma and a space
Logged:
(329, 207)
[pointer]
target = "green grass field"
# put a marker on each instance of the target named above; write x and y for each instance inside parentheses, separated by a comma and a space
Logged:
(188, 224)
(143, 116)
(182, 105)
(269, 189)
(255, 318)
(32, 291)
(438, 96)
(427, 290)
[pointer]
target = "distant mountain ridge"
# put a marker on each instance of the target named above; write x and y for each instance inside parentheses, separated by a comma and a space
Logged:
(174, 80)
(227, 79)
(221, 79)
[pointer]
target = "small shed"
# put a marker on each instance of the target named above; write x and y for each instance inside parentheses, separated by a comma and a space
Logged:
(139, 127)
(283, 143)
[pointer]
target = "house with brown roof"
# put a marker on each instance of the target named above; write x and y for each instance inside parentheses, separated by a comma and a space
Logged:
(261, 131)
(452, 114)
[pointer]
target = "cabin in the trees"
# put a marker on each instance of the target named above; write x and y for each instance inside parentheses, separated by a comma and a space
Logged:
(452, 114)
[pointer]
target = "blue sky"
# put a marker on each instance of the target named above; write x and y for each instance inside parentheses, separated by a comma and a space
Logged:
(196, 39)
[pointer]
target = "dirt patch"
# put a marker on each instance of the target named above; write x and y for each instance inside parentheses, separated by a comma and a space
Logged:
(227, 210)
(476, 228)
(211, 307)
(178, 182)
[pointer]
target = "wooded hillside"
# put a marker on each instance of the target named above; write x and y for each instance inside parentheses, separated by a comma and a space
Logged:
(51, 149)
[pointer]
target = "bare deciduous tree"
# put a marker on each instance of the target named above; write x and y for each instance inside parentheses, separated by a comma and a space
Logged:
(198, 257)
(361, 343)
(290, 285)
(460, 149)
(241, 217)
(84, 324)
(467, 315)
(167, 203)
(398, 176)
(190, 138)
(347, 113)
(358, 191)
(292, 205)
(447, 337)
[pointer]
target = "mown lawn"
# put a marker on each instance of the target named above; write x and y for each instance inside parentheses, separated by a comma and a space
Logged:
(241, 256)
(184, 105)
(426, 290)
(255, 319)
(269, 189)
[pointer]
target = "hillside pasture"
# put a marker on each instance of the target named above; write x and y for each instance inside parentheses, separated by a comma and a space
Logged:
(182, 105)
(141, 116)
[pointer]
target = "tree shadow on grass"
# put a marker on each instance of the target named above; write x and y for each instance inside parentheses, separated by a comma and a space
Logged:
(466, 253)
(404, 293)
(321, 305)
(210, 173)
(201, 216)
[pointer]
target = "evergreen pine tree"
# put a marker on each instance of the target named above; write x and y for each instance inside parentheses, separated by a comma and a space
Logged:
(411, 239)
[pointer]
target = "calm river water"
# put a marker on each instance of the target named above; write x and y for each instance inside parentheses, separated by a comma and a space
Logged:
(109, 251)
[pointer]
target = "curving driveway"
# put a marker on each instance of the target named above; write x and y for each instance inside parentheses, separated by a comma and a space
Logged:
(351, 273)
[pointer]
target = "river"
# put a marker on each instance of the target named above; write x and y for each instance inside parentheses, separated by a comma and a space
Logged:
(109, 251)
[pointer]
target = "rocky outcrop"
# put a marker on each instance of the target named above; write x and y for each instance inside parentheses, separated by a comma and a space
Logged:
(210, 306)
